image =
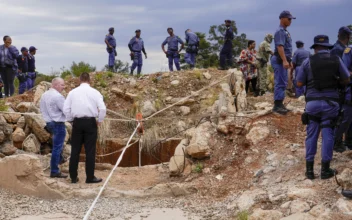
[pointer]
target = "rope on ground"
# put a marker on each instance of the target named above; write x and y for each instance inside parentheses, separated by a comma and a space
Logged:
(86, 217)
(120, 115)
(185, 98)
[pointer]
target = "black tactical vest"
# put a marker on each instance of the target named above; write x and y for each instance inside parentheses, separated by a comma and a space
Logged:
(325, 69)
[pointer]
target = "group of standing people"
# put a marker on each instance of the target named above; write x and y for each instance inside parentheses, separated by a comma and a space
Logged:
(84, 108)
(324, 79)
(13, 64)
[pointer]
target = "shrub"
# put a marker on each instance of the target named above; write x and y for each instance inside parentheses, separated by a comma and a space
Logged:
(78, 68)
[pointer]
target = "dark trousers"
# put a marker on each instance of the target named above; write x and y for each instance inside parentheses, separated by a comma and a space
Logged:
(8, 77)
(226, 55)
(84, 132)
(254, 84)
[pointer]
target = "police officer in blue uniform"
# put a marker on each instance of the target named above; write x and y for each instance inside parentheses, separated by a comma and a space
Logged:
(346, 123)
(344, 35)
(298, 57)
(226, 51)
(136, 46)
(342, 42)
(192, 41)
(111, 47)
(31, 67)
(172, 53)
(22, 73)
(281, 61)
(322, 74)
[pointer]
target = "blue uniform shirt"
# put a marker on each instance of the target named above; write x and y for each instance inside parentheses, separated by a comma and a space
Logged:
(347, 60)
(228, 35)
(9, 56)
(338, 49)
(305, 73)
(283, 38)
(31, 63)
(299, 56)
(111, 40)
(136, 44)
(22, 63)
(172, 42)
(192, 38)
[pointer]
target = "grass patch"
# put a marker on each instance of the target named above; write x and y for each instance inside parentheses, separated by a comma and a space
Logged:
(244, 215)
(158, 104)
(198, 74)
(110, 74)
(199, 168)
(3, 107)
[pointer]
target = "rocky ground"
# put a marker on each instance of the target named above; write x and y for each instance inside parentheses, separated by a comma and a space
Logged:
(240, 161)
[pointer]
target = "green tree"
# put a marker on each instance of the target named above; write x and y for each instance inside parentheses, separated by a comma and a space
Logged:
(119, 67)
(77, 68)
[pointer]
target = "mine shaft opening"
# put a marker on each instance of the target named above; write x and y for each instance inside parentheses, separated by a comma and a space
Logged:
(161, 154)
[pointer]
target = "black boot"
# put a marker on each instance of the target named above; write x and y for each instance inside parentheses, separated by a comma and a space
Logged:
(281, 105)
(348, 139)
(131, 73)
(339, 146)
(256, 93)
(222, 68)
(262, 92)
(326, 172)
(310, 170)
(138, 73)
(278, 109)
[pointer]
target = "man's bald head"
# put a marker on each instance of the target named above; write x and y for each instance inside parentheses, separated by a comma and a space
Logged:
(58, 84)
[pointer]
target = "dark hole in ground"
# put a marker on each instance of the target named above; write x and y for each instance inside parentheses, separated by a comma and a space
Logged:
(162, 153)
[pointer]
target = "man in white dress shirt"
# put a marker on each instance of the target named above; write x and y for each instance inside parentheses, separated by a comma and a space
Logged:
(51, 106)
(85, 107)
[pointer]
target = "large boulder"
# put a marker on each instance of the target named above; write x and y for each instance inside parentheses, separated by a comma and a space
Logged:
(260, 214)
(2, 137)
(12, 117)
(23, 107)
(5, 127)
(7, 149)
(249, 198)
(258, 134)
(299, 206)
(31, 144)
(24, 174)
(67, 150)
(37, 124)
(199, 144)
(177, 162)
(39, 91)
(148, 109)
(344, 206)
(18, 135)
(238, 83)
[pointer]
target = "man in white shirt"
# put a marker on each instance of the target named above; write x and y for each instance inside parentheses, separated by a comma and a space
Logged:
(51, 106)
(82, 106)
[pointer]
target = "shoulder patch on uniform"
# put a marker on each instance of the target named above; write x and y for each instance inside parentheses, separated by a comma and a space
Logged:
(347, 50)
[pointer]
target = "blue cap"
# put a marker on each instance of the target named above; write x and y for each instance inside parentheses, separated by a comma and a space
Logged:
(228, 21)
(286, 14)
(111, 29)
(345, 30)
(138, 30)
(299, 42)
(321, 40)
(24, 49)
(32, 48)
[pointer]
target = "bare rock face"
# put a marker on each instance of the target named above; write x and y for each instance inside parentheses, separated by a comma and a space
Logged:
(238, 83)
(199, 146)
(259, 214)
(7, 129)
(12, 117)
(39, 91)
(18, 135)
(21, 123)
(249, 198)
(7, 149)
(24, 174)
(23, 107)
(177, 162)
(2, 136)
(31, 144)
(37, 124)
(148, 109)
(67, 150)
(344, 206)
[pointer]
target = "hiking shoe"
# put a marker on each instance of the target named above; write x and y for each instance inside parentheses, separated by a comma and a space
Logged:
(58, 175)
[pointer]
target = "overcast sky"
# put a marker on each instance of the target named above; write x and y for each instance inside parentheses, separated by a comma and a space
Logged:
(74, 30)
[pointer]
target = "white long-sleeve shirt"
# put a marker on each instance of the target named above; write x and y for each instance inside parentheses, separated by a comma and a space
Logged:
(84, 101)
(51, 106)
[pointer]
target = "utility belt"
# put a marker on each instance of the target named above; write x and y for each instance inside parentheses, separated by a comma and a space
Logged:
(309, 99)
(172, 55)
(22, 77)
(279, 60)
(192, 49)
(136, 51)
(84, 118)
